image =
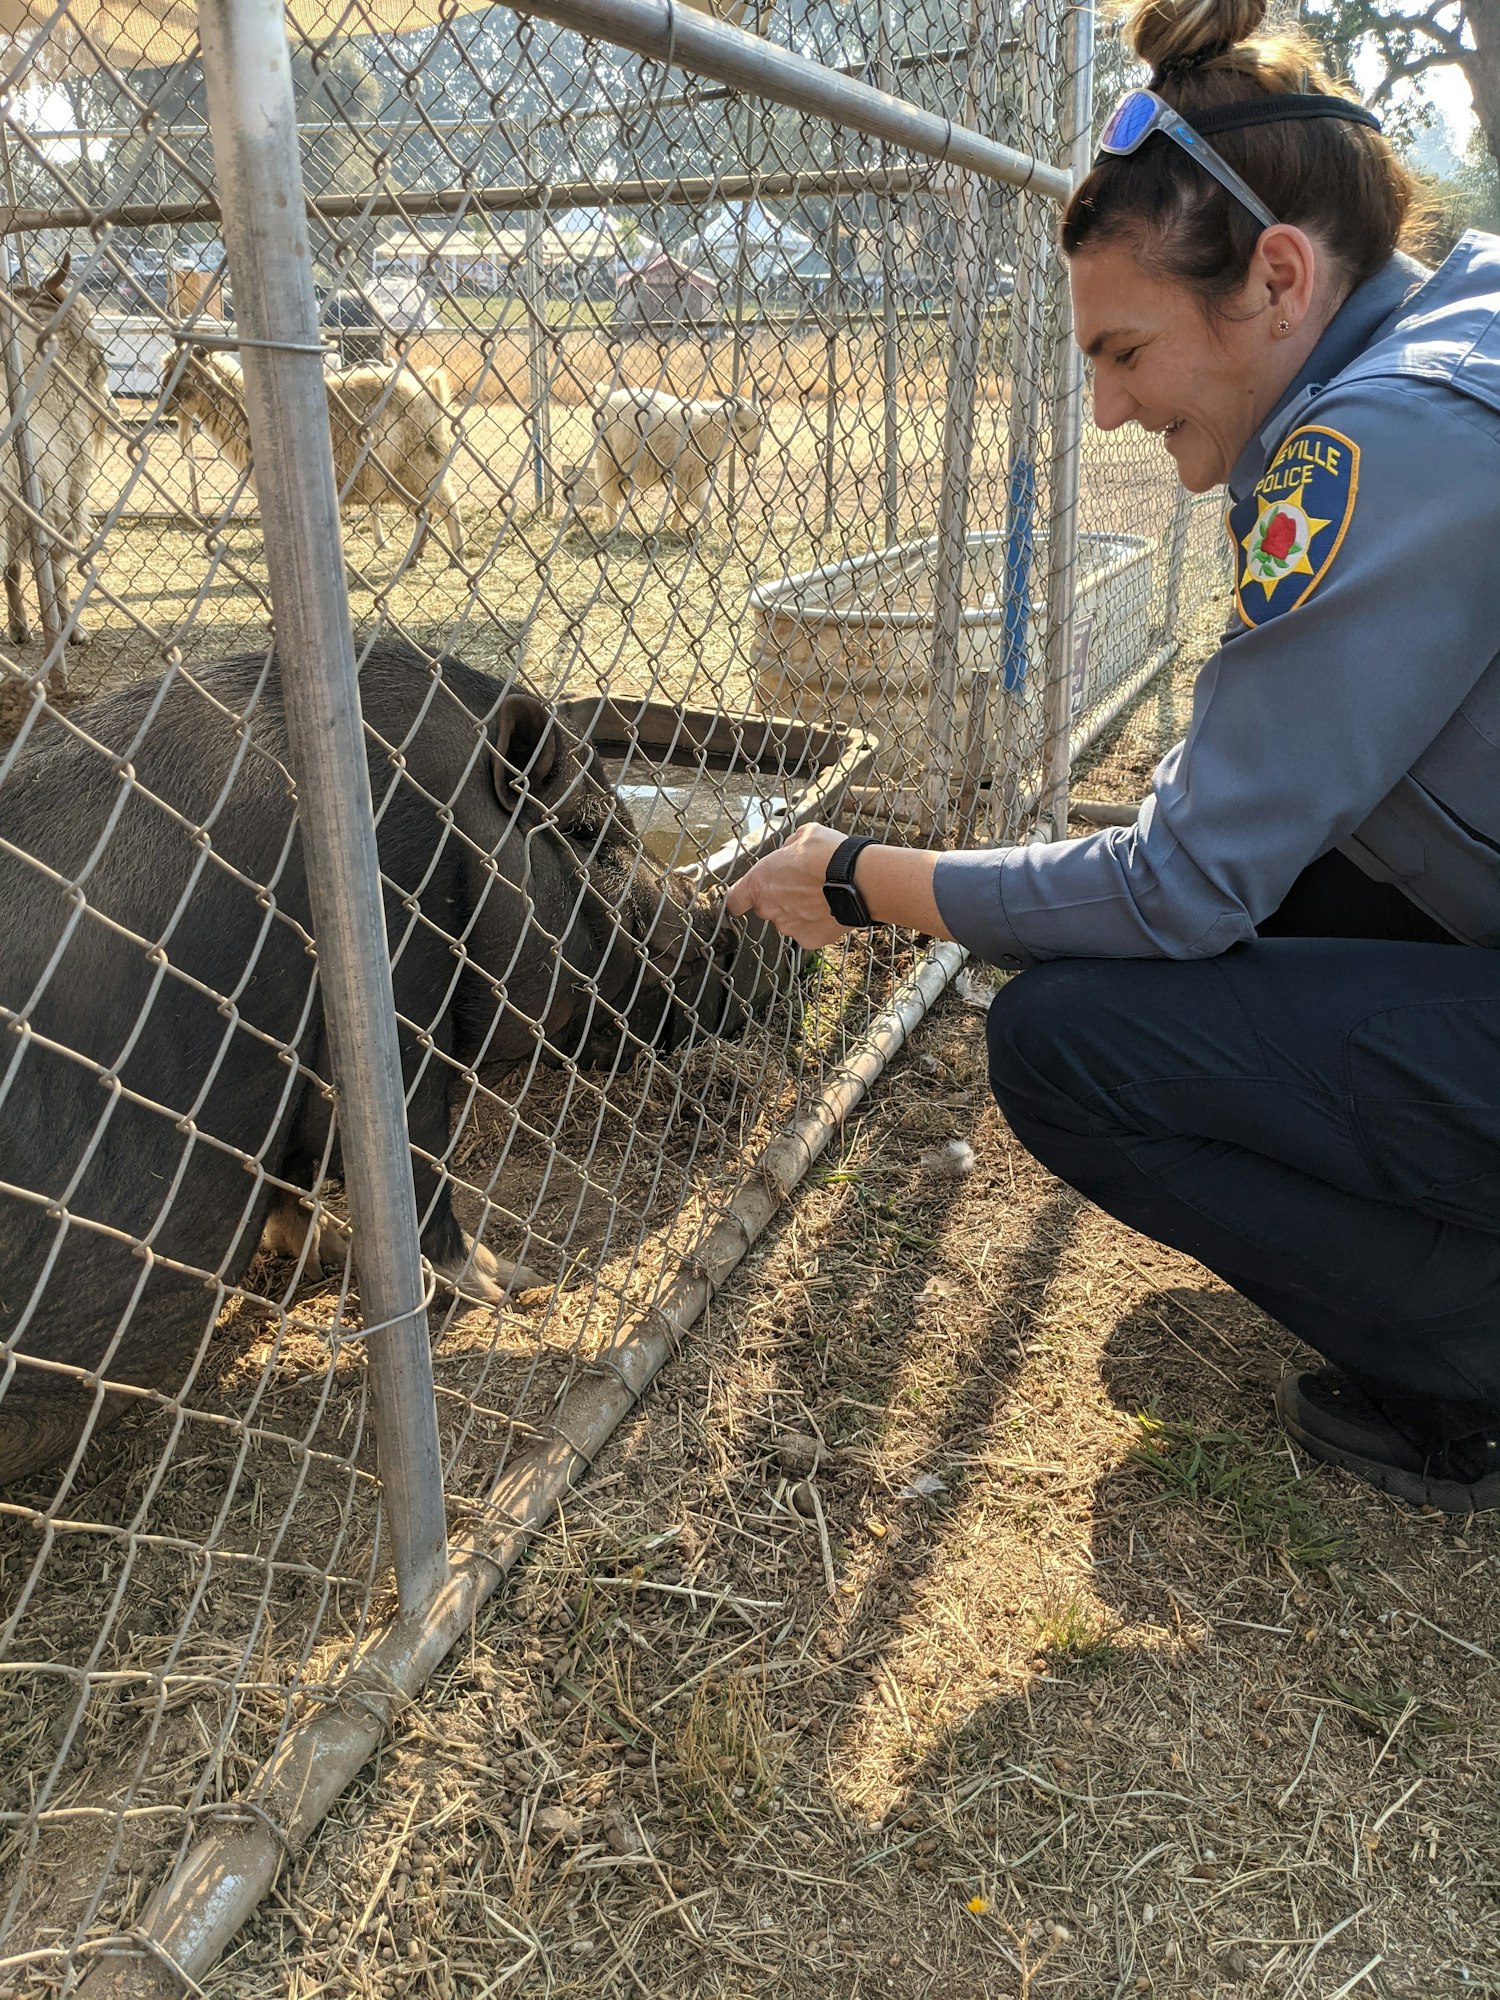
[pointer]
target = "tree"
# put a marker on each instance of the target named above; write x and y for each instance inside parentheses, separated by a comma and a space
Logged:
(1465, 195)
(1478, 181)
(1410, 40)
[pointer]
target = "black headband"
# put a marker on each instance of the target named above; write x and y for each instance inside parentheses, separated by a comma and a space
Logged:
(1274, 110)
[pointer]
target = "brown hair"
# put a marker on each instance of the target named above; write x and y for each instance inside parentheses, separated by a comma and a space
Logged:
(1339, 181)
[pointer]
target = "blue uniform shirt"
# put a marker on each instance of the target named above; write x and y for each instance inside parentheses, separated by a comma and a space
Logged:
(1355, 701)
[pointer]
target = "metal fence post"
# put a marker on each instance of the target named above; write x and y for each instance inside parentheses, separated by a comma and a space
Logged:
(890, 474)
(833, 307)
(966, 321)
(38, 541)
(1027, 351)
(538, 386)
(1025, 356)
(1182, 514)
(252, 116)
(741, 271)
(1067, 435)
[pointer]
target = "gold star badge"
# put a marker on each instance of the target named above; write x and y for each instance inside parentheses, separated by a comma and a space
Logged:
(1294, 523)
(1279, 542)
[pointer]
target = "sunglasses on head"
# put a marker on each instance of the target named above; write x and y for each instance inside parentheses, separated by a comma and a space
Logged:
(1140, 113)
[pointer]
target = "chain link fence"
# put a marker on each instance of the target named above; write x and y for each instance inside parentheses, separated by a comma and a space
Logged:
(706, 456)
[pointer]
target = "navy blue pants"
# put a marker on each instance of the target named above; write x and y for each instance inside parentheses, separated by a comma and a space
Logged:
(1314, 1116)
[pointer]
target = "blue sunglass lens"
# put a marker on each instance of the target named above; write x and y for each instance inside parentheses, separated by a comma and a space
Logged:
(1128, 125)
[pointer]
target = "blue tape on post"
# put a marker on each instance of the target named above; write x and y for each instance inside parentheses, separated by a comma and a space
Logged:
(1018, 553)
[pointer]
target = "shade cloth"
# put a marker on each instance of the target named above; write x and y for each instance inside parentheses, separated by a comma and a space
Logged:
(152, 34)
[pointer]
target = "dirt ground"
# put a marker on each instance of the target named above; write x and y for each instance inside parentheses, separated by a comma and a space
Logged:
(1060, 1674)
(1057, 1674)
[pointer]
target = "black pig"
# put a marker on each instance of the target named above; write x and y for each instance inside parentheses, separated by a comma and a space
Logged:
(163, 1055)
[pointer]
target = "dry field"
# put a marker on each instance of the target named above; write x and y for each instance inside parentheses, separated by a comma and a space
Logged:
(783, 366)
(1060, 1675)
(645, 610)
(1056, 1674)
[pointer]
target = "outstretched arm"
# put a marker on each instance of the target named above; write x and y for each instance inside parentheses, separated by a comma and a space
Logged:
(786, 888)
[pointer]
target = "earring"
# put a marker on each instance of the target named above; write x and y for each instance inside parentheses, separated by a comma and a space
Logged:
(1283, 326)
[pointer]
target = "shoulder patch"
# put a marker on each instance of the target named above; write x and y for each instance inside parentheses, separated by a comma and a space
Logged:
(1298, 516)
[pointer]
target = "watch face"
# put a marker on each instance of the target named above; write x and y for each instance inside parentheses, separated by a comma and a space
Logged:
(845, 903)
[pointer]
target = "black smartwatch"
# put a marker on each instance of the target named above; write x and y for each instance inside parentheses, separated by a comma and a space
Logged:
(844, 901)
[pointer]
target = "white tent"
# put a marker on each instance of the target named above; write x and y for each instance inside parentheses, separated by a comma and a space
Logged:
(581, 234)
(773, 247)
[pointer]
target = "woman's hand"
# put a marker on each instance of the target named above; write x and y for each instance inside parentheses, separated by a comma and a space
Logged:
(786, 888)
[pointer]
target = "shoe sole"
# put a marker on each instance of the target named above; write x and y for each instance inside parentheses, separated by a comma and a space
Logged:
(1449, 1496)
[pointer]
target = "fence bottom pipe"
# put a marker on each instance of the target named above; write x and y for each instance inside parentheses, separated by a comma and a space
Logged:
(1128, 690)
(192, 1918)
(1102, 812)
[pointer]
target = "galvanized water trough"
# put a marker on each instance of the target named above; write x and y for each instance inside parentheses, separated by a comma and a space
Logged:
(852, 642)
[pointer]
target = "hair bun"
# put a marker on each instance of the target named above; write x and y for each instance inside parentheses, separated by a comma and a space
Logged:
(1177, 35)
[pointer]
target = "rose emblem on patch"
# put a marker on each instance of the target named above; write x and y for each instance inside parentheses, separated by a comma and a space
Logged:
(1291, 527)
(1282, 536)
(1278, 544)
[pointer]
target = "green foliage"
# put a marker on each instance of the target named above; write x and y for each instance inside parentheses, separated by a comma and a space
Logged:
(1387, 30)
(1238, 1484)
(1380, 1710)
(1478, 185)
(1466, 199)
(1074, 1633)
(1405, 44)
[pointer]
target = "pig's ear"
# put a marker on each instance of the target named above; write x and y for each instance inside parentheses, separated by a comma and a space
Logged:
(526, 745)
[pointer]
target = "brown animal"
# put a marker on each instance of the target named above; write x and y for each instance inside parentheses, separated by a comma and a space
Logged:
(392, 433)
(645, 438)
(66, 424)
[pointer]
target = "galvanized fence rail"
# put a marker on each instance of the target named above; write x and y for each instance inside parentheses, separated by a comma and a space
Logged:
(507, 469)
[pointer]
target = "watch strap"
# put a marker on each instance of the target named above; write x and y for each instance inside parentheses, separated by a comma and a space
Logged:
(840, 891)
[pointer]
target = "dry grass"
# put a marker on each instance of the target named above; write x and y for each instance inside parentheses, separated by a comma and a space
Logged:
(781, 366)
(646, 611)
(1088, 1721)
(1059, 1676)
(1125, 1701)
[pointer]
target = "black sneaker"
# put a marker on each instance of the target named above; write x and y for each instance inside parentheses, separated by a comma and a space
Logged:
(1335, 1421)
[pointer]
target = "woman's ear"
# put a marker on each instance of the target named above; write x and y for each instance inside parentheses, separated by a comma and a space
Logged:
(1284, 274)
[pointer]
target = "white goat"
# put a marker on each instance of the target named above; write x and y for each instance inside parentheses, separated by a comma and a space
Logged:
(645, 437)
(65, 423)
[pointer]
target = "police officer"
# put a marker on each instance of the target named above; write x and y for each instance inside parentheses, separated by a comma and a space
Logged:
(1262, 1024)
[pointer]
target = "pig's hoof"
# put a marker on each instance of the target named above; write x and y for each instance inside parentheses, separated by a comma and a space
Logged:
(20, 635)
(80, 635)
(486, 1278)
(37, 1428)
(288, 1228)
